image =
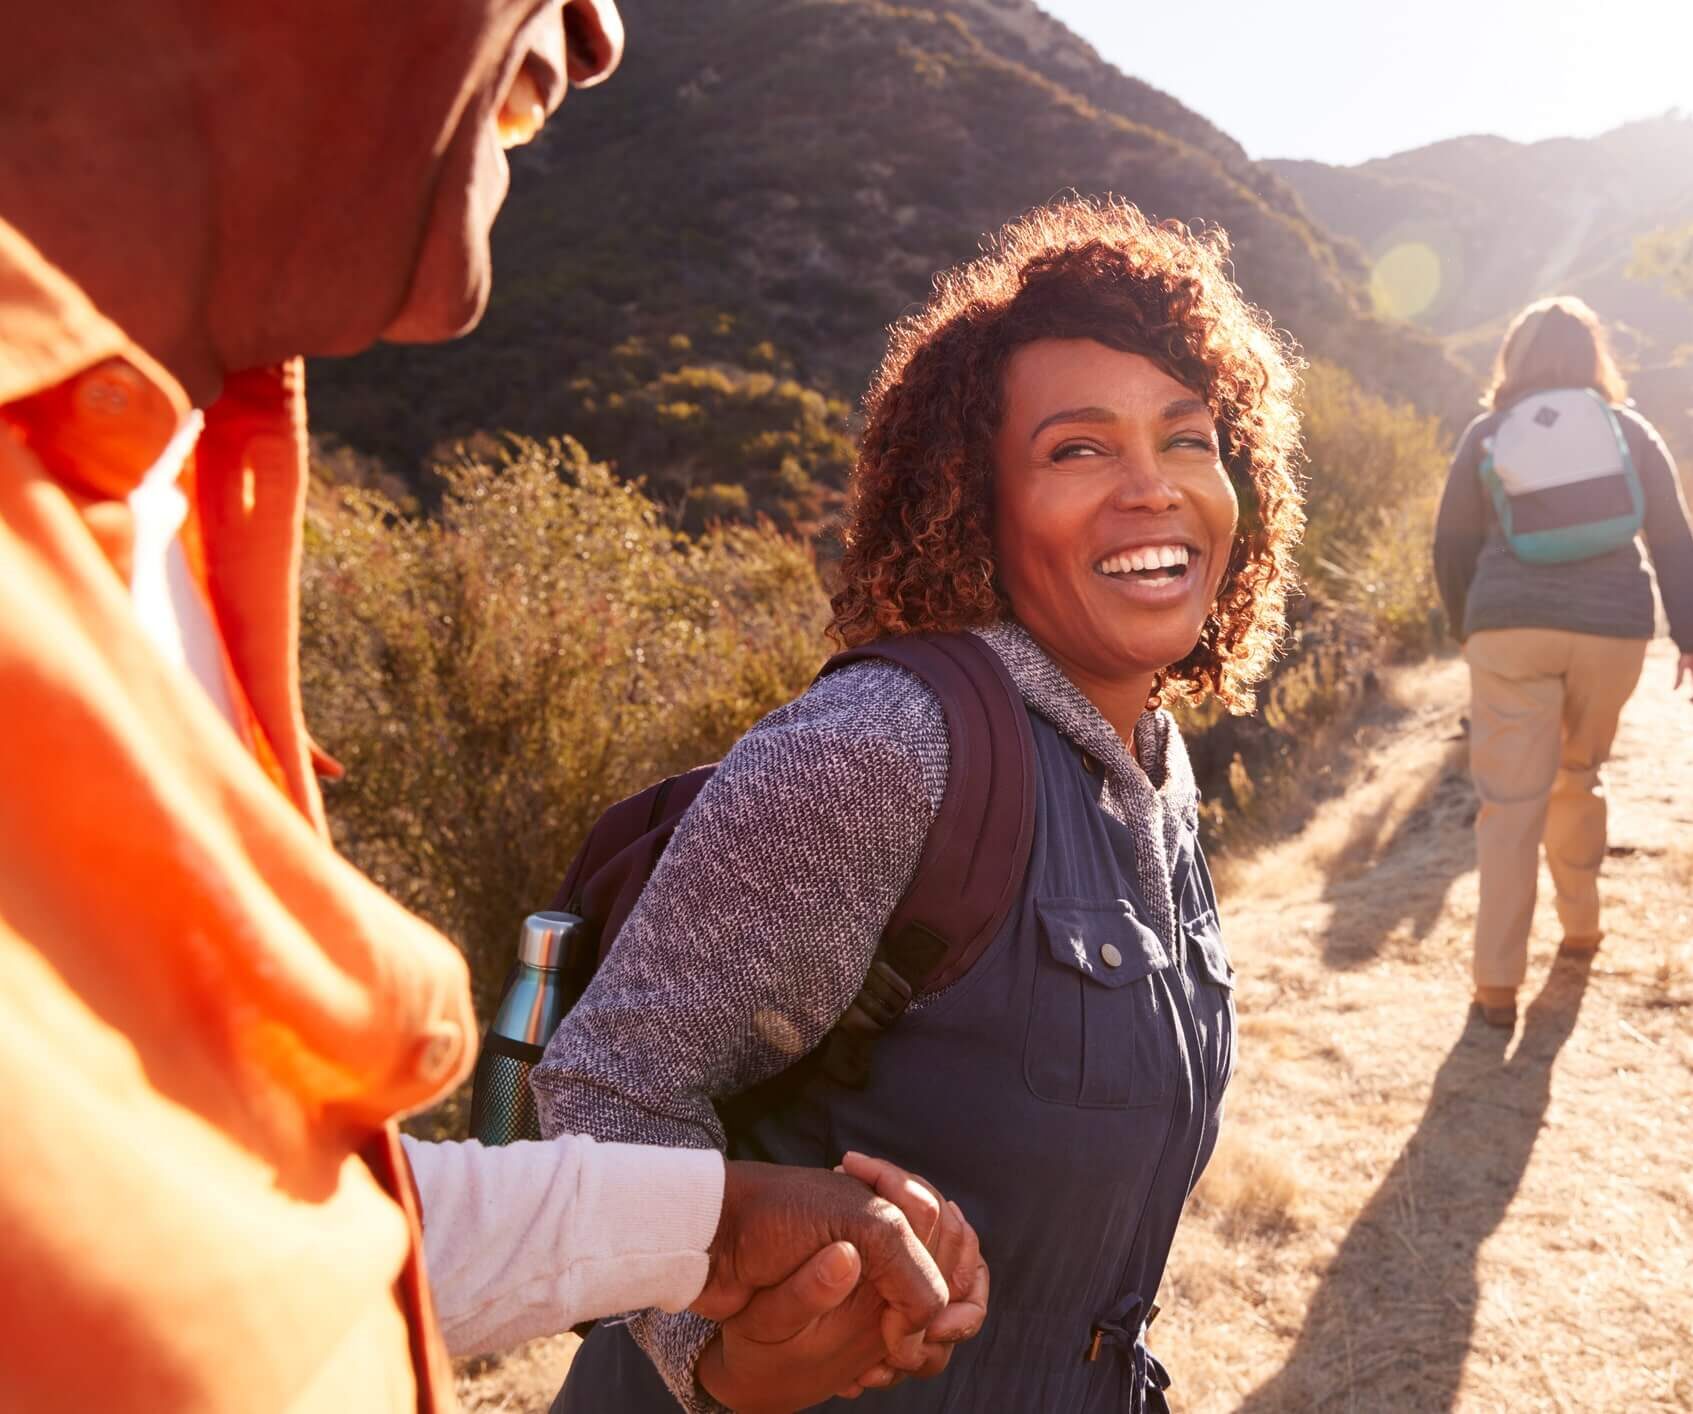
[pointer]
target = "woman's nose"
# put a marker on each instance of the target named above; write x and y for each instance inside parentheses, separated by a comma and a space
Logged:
(1143, 485)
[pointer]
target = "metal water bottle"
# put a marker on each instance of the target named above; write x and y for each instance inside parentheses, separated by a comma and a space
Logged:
(550, 974)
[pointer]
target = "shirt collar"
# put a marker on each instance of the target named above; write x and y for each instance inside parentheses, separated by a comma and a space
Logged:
(96, 408)
(1162, 770)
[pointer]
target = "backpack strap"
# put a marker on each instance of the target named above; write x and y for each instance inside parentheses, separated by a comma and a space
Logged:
(973, 863)
(613, 864)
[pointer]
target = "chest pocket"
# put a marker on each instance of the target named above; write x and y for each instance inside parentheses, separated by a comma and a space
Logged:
(1101, 1033)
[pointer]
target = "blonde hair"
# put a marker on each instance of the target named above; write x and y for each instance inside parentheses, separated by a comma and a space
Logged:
(1554, 343)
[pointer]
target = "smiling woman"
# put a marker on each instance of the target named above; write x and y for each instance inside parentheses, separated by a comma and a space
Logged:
(1079, 453)
(1095, 367)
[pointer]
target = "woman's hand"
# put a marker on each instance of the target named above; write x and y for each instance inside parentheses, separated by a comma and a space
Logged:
(1683, 669)
(958, 1254)
(816, 1278)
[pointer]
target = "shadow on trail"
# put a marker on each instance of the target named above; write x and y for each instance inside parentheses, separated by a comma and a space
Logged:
(1402, 889)
(1391, 1323)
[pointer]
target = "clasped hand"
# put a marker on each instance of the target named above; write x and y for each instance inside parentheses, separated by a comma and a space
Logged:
(831, 1284)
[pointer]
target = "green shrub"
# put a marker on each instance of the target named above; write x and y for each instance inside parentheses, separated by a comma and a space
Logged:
(1374, 478)
(495, 675)
(1665, 255)
(726, 439)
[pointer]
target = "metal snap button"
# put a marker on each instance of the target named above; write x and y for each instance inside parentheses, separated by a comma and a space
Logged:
(109, 390)
(438, 1052)
(1110, 956)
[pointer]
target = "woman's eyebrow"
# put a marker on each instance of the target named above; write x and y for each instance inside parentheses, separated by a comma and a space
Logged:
(1183, 407)
(1073, 415)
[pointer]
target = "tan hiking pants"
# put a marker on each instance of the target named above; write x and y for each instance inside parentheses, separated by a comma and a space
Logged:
(1544, 704)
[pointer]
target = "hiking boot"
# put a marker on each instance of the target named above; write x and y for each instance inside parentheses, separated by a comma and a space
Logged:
(1584, 946)
(1498, 1006)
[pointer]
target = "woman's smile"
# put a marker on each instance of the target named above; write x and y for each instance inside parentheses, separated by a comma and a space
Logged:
(1158, 572)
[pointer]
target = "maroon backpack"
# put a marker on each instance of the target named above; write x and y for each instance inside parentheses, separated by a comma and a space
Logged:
(967, 879)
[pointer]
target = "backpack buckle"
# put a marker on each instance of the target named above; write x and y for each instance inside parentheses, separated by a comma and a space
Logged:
(882, 998)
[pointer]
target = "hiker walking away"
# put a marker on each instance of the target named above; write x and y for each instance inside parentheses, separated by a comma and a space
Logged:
(1538, 556)
(209, 1021)
(1075, 468)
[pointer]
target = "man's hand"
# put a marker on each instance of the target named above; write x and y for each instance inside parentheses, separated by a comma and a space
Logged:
(796, 1344)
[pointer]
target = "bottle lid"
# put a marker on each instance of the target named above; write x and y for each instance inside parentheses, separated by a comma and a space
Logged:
(546, 938)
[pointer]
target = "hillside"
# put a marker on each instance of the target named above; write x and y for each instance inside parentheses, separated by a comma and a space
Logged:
(1465, 232)
(766, 185)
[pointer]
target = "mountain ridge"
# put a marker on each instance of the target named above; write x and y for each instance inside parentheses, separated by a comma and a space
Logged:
(796, 171)
(1477, 226)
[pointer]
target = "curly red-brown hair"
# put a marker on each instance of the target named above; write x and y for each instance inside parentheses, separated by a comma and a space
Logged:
(919, 538)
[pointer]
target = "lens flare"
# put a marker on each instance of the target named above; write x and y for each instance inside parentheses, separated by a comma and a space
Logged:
(1405, 280)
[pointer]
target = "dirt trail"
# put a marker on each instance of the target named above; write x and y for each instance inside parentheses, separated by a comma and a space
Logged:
(1411, 1211)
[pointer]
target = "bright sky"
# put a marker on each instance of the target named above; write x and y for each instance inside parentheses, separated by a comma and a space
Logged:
(1347, 80)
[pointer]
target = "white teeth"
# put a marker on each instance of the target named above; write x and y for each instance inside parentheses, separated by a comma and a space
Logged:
(1144, 557)
(522, 113)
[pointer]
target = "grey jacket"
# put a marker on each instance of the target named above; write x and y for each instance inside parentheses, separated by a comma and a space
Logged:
(1484, 585)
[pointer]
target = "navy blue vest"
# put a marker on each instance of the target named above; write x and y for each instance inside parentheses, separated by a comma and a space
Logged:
(1066, 1093)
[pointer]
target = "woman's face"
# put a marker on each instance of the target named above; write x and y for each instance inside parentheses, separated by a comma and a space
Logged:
(1113, 515)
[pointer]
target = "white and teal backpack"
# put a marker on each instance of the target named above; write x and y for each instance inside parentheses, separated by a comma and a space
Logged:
(1561, 477)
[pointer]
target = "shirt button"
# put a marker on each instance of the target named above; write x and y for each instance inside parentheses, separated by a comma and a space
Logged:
(438, 1053)
(1110, 956)
(110, 390)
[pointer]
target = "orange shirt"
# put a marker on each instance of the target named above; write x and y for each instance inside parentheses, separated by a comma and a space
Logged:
(208, 1020)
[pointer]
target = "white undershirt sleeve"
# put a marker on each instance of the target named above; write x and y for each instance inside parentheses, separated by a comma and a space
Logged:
(528, 1239)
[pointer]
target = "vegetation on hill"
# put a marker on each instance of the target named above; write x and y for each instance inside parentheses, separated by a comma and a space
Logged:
(1374, 477)
(1666, 255)
(495, 675)
(722, 432)
(803, 167)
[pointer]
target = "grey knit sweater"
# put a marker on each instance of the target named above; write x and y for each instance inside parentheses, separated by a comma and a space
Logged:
(761, 920)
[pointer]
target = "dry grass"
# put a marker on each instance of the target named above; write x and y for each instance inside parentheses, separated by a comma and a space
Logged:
(521, 1381)
(1252, 1189)
(1486, 1223)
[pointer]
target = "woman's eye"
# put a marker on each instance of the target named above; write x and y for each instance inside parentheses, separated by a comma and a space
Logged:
(1196, 441)
(1074, 449)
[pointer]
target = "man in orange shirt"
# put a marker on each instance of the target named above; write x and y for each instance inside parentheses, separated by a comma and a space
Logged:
(208, 1021)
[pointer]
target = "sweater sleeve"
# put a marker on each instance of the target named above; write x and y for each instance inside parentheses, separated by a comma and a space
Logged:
(1460, 527)
(528, 1239)
(1668, 536)
(753, 934)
